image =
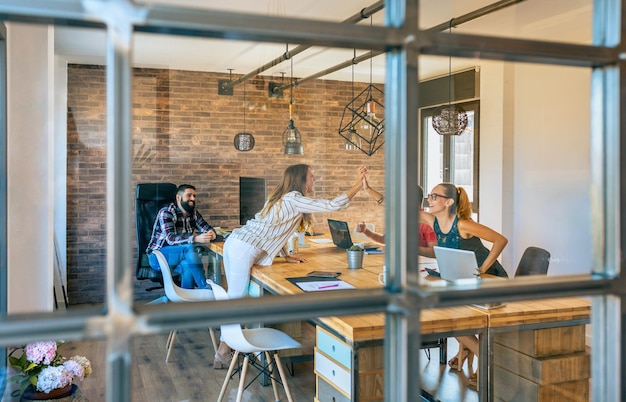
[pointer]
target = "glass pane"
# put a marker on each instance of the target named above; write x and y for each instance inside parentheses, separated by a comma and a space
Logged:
(64, 369)
(434, 156)
(556, 21)
(460, 153)
(189, 373)
(463, 157)
(540, 349)
(309, 10)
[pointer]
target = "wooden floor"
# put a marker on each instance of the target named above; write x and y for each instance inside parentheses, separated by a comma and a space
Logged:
(189, 376)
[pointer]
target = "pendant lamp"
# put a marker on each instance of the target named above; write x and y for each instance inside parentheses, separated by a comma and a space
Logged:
(360, 126)
(292, 139)
(244, 141)
(449, 119)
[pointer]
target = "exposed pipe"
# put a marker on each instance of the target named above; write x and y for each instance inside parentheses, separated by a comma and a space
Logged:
(437, 28)
(361, 15)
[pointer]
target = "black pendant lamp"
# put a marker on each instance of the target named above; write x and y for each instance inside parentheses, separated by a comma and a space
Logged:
(292, 139)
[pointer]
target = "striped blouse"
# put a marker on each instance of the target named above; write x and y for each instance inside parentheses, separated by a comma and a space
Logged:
(271, 233)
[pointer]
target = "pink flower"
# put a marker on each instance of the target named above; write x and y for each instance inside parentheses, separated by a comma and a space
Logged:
(41, 352)
(75, 369)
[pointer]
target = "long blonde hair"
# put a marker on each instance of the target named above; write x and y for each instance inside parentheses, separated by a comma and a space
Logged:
(462, 205)
(294, 179)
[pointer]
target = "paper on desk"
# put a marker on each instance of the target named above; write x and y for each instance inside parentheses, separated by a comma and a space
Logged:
(320, 241)
(317, 286)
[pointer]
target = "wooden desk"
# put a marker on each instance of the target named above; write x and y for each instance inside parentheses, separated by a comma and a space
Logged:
(349, 353)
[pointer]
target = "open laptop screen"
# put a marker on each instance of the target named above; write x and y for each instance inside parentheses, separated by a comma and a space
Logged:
(455, 264)
(340, 232)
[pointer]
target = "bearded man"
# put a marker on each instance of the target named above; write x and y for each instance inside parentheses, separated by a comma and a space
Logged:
(176, 228)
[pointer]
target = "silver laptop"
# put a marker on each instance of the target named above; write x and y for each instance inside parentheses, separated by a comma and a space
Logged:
(455, 264)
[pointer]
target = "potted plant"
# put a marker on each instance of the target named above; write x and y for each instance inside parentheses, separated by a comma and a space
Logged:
(355, 256)
(43, 373)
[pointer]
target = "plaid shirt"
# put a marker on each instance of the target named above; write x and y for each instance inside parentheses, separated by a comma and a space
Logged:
(172, 228)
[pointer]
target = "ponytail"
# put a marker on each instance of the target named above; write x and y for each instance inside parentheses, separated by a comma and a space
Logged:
(464, 206)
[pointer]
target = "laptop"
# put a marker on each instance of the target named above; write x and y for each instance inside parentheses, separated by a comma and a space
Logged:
(455, 264)
(340, 232)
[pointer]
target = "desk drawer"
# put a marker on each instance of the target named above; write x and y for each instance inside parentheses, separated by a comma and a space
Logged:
(334, 348)
(333, 373)
(327, 393)
(254, 289)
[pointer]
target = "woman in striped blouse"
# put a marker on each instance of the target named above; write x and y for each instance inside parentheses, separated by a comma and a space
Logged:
(287, 210)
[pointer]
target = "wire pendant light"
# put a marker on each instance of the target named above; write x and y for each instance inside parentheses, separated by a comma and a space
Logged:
(360, 126)
(449, 119)
(292, 139)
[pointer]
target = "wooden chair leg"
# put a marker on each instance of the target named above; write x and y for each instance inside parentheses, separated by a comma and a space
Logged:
(170, 345)
(283, 377)
(242, 380)
(268, 358)
(231, 368)
(214, 339)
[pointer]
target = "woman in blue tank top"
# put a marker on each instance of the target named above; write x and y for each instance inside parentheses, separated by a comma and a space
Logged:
(450, 215)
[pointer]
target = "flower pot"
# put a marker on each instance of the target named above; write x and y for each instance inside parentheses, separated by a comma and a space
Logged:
(31, 394)
(355, 258)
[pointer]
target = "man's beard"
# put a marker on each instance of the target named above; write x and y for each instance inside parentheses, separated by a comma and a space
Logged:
(187, 207)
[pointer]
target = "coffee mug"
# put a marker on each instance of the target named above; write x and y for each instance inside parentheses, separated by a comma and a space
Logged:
(382, 275)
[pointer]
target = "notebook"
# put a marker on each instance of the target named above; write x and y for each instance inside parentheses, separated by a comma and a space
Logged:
(340, 233)
(455, 264)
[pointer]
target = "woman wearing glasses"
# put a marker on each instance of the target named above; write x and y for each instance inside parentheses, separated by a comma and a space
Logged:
(450, 215)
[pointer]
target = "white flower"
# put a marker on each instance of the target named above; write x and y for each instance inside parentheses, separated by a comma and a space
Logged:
(53, 377)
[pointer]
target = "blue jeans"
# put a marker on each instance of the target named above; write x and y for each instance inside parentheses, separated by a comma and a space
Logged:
(185, 261)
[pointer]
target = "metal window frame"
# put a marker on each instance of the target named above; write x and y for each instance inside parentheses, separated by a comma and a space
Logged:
(403, 299)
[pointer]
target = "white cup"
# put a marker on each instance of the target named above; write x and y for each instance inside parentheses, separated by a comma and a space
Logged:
(383, 275)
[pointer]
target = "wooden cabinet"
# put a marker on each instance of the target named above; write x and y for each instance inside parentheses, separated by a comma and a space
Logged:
(548, 364)
(345, 372)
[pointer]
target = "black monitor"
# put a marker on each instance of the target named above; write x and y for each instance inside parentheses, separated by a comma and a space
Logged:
(251, 197)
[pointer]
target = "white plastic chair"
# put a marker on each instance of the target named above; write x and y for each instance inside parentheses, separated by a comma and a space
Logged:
(251, 342)
(175, 294)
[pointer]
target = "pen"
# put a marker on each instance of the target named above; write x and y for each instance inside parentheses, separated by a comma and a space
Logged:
(334, 285)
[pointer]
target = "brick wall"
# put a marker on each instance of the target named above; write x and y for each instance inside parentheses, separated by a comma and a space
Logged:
(183, 132)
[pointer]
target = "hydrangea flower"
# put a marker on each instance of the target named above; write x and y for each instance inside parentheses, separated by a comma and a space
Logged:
(40, 366)
(85, 364)
(75, 369)
(41, 352)
(53, 377)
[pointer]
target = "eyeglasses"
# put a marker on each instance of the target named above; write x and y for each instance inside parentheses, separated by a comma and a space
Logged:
(434, 196)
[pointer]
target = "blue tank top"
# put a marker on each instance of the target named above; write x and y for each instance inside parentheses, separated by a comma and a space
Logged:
(453, 239)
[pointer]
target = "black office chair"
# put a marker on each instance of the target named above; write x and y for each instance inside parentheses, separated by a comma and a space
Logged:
(149, 198)
(534, 261)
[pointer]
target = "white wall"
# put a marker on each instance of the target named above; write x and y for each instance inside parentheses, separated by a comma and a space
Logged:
(552, 167)
(535, 130)
(30, 167)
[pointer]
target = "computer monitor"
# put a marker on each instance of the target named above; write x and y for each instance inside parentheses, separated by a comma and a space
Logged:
(251, 197)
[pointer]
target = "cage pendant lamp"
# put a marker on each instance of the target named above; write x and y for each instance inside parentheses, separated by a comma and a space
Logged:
(292, 139)
(449, 119)
(359, 125)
